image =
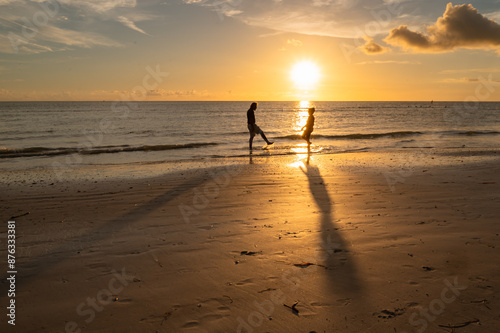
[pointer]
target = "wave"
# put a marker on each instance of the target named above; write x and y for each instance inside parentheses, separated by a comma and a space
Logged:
(45, 151)
(357, 136)
(399, 134)
(476, 133)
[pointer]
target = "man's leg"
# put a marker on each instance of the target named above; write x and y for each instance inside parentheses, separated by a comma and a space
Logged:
(265, 139)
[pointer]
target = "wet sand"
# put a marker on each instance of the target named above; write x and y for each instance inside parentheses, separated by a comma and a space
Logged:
(402, 241)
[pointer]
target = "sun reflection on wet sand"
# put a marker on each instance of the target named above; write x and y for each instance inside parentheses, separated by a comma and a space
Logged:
(301, 150)
(302, 154)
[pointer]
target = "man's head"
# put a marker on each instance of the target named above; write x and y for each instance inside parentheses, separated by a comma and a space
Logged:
(253, 106)
(311, 110)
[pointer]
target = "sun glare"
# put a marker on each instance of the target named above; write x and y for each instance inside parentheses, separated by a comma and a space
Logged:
(305, 74)
(304, 104)
(301, 115)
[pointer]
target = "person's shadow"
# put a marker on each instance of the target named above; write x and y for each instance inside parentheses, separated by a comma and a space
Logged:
(340, 268)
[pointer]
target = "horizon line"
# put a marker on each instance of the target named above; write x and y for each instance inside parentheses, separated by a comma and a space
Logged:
(220, 101)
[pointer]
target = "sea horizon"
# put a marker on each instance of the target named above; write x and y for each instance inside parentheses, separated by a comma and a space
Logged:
(249, 101)
(70, 135)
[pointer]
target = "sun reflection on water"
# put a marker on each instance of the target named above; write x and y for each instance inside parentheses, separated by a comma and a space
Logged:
(301, 151)
(304, 104)
(301, 115)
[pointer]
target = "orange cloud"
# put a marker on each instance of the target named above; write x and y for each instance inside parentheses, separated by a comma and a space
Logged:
(460, 26)
(372, 48)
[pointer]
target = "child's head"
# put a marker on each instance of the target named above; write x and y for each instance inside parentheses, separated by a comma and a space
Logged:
(311, 110)
(253, 106)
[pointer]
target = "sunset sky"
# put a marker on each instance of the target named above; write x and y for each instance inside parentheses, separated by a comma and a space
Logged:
(246, 50)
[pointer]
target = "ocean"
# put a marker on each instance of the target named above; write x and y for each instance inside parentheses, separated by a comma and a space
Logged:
(42, 135)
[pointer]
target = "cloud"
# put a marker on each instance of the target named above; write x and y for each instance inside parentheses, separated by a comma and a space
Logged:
(377, 62)
(470, 70)
(466, 80)
(495, 16)
(76, 38)
(321, 3)
(48, 26)
(129, 23)
(223, 8)
(163, 92)
(294, 42)
(372, 48)
(5, 94)
(78, 95)
(52, 38)
(460, 26)
(13, 43)
(334, 18)
(113, 10)
(100, 6)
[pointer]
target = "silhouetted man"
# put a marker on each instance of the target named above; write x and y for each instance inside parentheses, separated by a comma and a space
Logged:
(252, 126)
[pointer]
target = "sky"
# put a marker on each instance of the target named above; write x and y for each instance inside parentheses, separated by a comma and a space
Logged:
(201, 50)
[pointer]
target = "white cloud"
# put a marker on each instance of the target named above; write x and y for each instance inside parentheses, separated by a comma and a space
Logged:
(123, 11)
(51, 39)
(129, 23)
(336, 18)
(75, 38)
(228, 8)
(100, 6)
(65, 23)
(26, 46)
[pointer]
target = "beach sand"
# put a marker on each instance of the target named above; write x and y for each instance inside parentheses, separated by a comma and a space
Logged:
(403, 241)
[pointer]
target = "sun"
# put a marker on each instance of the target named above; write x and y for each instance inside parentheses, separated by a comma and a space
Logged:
(305, 74)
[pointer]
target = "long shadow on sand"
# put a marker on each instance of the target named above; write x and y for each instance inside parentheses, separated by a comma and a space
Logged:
(340, 269)
(67, 250)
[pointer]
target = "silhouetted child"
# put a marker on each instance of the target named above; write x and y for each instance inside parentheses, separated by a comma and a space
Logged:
(309, 126)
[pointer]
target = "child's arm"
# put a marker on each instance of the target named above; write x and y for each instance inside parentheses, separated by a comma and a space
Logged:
(308, 122)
